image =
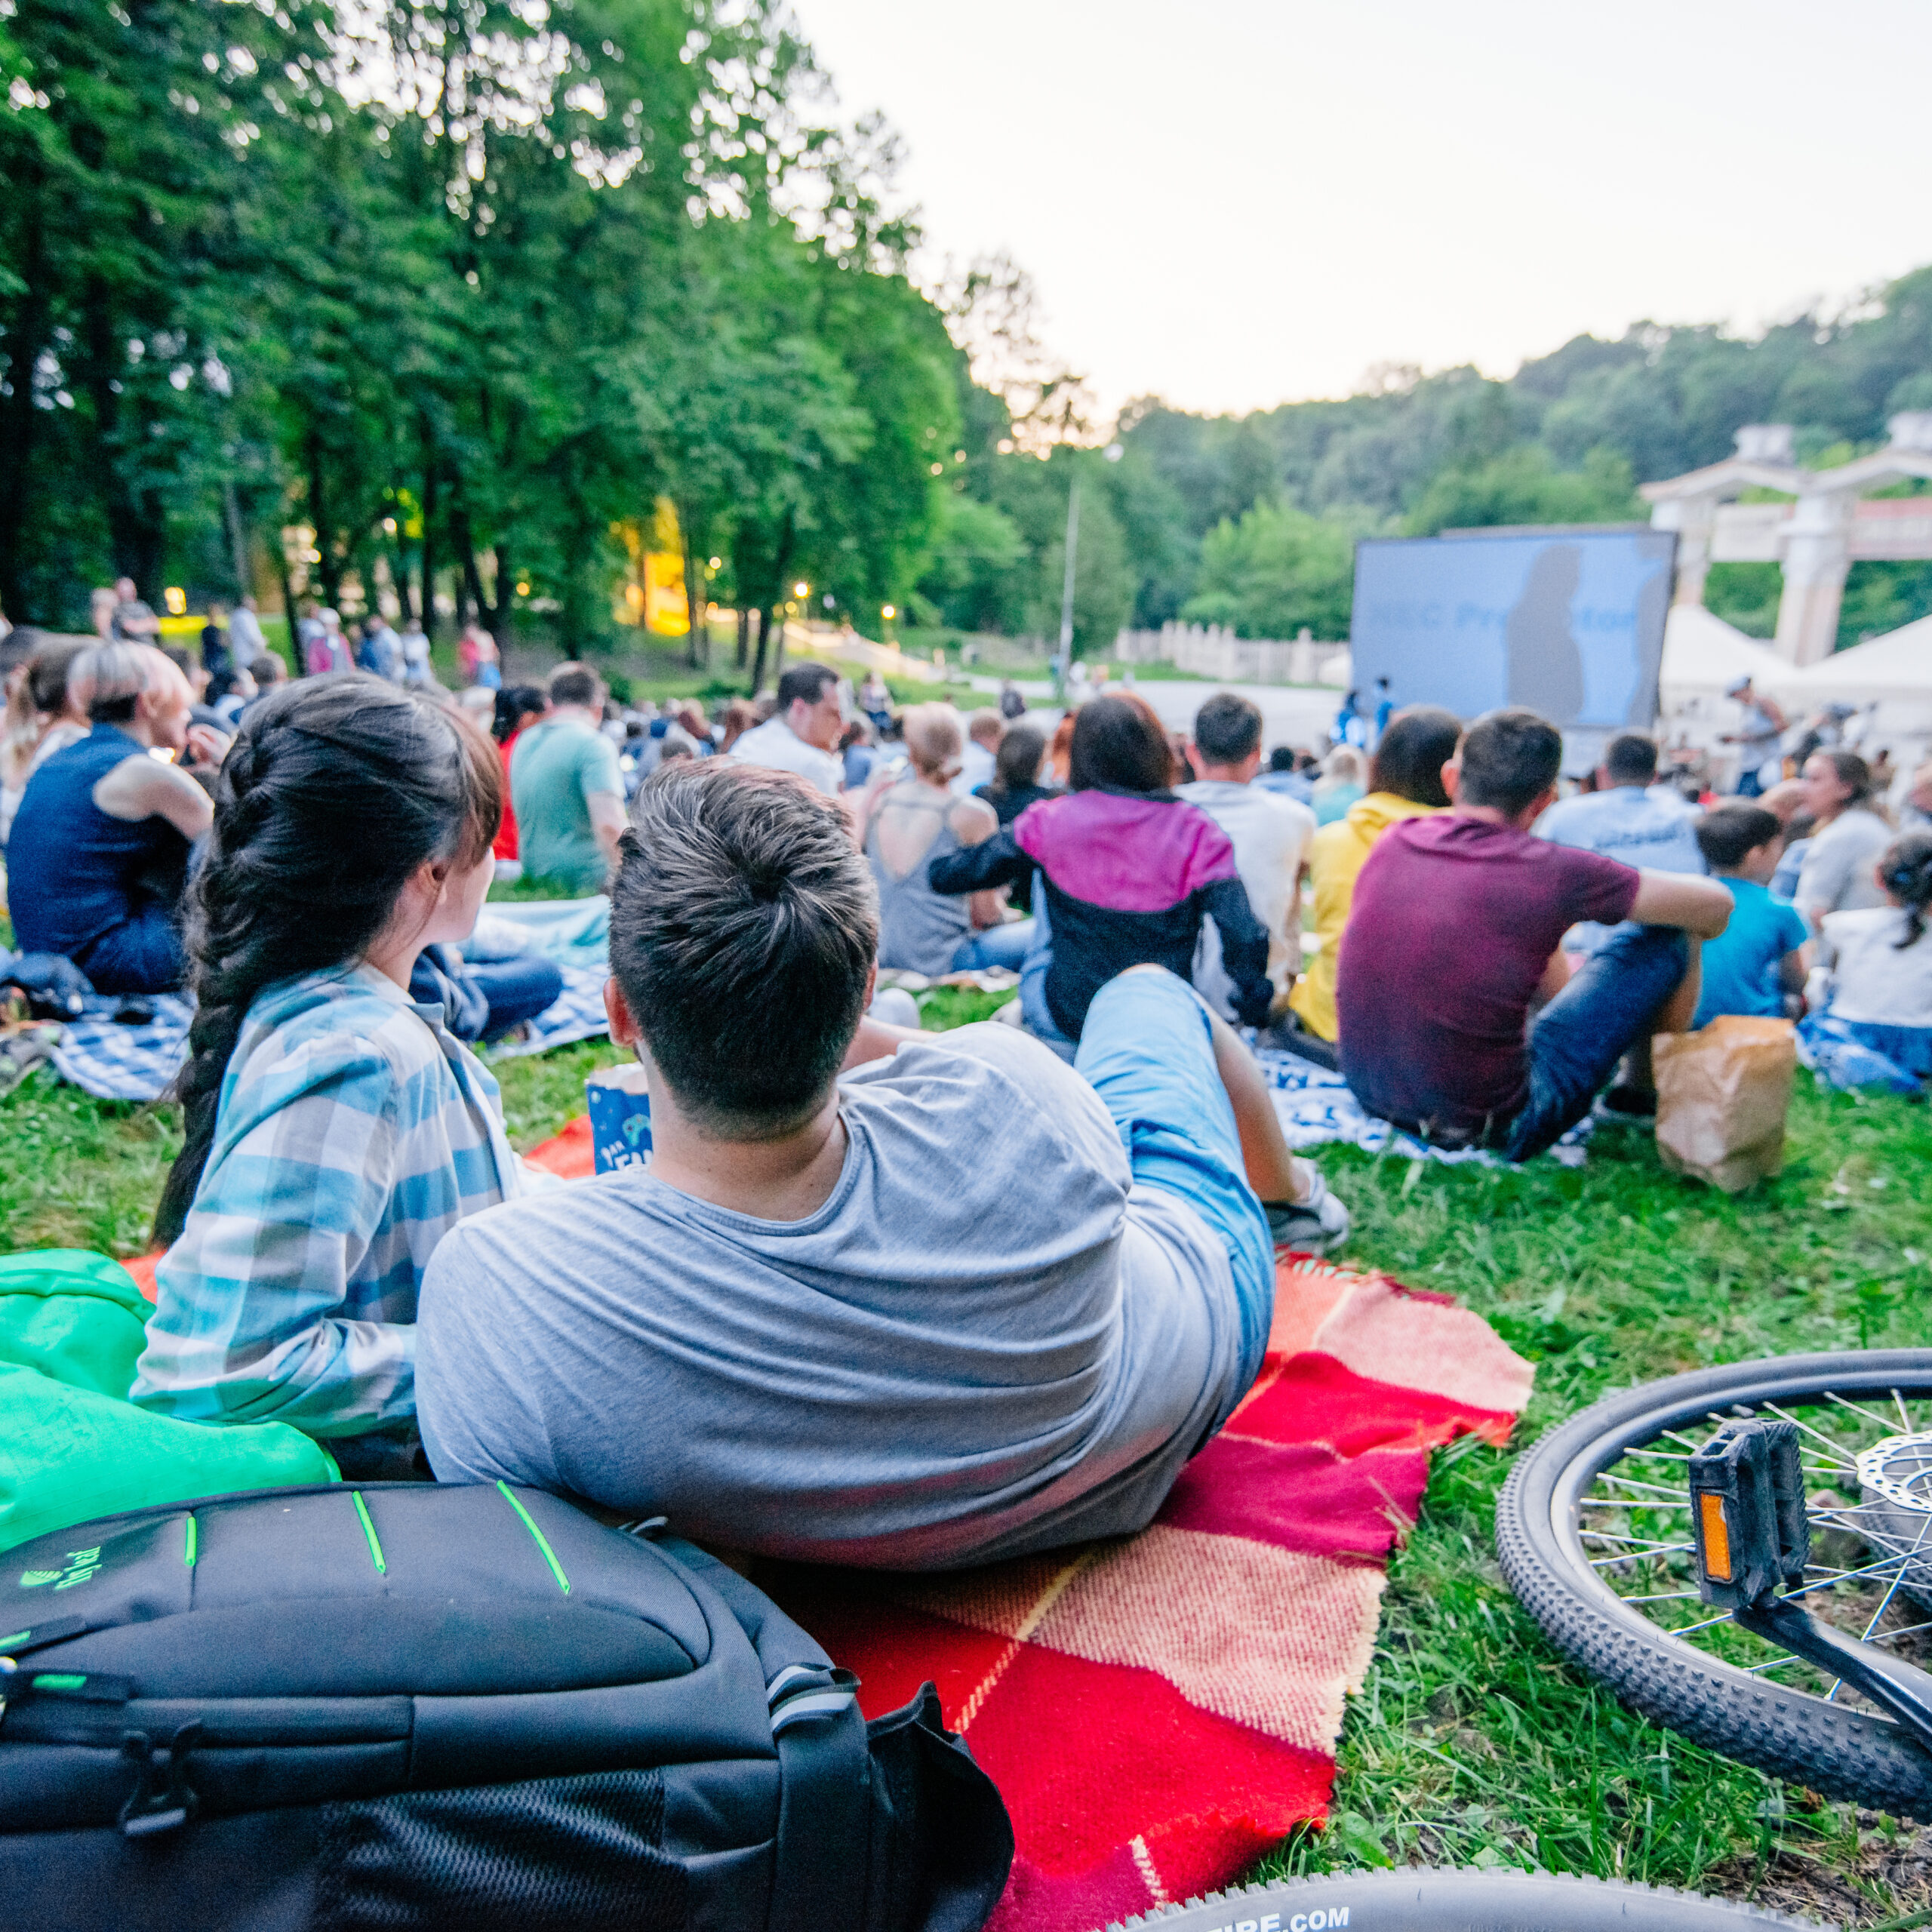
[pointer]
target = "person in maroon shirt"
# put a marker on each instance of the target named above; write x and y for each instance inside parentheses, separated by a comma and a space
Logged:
(1454, 936)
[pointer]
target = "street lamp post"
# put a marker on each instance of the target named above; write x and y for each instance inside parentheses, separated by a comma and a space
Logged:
(1064, 659)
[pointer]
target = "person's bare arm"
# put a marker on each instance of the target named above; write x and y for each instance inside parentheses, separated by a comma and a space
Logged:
(606, 820)
(1701, 906)
(973, 822)
(1793, 968)
(875, 1040)
(139, 788)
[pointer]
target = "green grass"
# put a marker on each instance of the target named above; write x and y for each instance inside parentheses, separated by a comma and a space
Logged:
(1471, 1741)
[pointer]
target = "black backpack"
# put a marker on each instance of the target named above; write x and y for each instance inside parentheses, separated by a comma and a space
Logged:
(400, 1706)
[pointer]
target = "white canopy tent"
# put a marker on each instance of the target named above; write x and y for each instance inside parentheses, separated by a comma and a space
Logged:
(1888, 679)
(1703, 654)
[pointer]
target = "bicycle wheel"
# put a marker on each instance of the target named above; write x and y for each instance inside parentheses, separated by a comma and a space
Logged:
(1426, 1900)
(1593, 1531)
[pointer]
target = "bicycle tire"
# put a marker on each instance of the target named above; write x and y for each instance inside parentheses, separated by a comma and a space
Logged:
(1845, 1754)
(1430, 1899)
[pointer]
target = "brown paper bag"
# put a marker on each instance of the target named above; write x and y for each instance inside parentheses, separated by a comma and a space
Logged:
(1722, 1095)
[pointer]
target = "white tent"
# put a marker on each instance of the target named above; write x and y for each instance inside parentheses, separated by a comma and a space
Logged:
(1703, 655)
(1896, 666)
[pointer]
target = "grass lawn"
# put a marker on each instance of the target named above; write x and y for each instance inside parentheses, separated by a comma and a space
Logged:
(1472, 1743)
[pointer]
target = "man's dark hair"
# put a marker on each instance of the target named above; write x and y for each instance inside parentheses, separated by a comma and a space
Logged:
(1227, 727)
(1631, 758)
(576, 684)
(1119, 744)
(806, 681)
(1726, 835)
(1510, 758)
(744, 923)
(1419, 741)
(1282, 758)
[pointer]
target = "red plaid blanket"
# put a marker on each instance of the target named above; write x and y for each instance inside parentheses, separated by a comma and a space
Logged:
(1158, 1712)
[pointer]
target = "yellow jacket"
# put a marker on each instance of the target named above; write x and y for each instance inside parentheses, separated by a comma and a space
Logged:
(1334, 858)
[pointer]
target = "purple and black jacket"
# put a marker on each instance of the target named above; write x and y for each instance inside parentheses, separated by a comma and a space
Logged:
(1129, 877)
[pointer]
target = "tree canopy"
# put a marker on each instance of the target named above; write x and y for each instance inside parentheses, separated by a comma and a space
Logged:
(464, 288)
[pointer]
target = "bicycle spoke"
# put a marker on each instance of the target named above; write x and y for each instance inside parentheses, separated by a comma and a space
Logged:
(1905, 1421)
(1829, 1442)
(1858, 1408)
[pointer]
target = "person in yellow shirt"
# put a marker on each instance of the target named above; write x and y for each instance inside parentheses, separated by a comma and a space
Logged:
(1404, 781)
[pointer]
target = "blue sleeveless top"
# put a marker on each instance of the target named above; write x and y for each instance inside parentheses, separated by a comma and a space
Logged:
(73, 872)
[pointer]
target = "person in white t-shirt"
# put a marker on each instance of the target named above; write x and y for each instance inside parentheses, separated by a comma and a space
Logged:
(802, 735)
(1270, 834)
(984, 729)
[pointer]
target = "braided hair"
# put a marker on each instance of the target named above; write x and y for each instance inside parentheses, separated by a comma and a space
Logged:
(336, 791)
(1906, 872)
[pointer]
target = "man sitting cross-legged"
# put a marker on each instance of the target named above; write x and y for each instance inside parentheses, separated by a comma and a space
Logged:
(1452, 937)
(908, 1300)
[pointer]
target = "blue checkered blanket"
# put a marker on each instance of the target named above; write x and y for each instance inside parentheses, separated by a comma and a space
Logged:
(116, 1061)
(1315, 1107)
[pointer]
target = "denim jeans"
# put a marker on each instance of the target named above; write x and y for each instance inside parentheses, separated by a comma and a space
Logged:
(999, 946)
(1610, 1004)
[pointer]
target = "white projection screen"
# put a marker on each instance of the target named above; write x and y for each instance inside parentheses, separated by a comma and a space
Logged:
(1569, 622)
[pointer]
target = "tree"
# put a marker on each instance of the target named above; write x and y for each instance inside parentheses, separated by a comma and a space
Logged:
(1274, 572)
(1521, 486)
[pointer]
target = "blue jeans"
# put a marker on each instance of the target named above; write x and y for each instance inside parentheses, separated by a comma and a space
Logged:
(1148, 1050)
(1609, 1005)
(1004, 946)
(142, 956)
(517, 990)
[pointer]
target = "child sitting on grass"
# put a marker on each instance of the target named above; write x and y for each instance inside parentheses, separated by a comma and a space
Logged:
(335, 1130)
(1874, 986)
(1760, 957)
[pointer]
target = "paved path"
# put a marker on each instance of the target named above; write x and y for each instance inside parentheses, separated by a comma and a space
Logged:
(1291, 714)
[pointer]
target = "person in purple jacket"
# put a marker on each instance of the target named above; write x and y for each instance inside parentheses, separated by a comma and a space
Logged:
(1128, 870)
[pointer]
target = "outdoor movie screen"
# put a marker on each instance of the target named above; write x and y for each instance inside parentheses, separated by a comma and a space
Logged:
(1568, 621)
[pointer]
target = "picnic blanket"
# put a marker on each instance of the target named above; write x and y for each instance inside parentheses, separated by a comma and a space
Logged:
(1316, 1105)
(115, 1059)
(1160, 1711)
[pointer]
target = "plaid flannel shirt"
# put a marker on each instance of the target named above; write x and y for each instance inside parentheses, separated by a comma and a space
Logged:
(352, 1132)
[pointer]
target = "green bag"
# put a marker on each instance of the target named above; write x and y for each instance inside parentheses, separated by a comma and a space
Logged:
(72, 1446)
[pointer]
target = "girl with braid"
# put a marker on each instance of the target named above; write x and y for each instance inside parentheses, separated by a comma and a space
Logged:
(336, 1130)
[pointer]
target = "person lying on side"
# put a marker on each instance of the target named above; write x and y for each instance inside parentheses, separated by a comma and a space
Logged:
(906, 1300)
(336, 1131)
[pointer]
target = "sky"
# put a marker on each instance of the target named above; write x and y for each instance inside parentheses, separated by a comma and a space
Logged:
(1251, 202)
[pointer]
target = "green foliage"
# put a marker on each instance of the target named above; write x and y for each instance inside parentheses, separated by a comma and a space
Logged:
(1745, 595)
(462, 289)
(1523, 486)
(1276, 570)
(1471, 1741)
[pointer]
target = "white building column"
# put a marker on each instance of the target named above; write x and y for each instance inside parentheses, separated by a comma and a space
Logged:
(1817, 555)
(1694, 519)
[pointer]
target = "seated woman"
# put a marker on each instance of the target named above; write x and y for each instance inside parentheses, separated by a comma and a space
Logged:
(1017, 766)
(1873, 989)
(1130, 871)
(335, 1131)
(98, 855)
(916, 824)
(41, 720)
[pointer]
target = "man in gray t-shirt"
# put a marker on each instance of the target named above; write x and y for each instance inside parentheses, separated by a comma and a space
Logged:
(908, 1300)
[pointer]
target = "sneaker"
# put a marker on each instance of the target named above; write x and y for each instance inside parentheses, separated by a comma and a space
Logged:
(1317, 1226)
(1625, 1107)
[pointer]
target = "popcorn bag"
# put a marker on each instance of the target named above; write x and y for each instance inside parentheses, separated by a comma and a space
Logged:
(1723, 1092)
(619, 1104)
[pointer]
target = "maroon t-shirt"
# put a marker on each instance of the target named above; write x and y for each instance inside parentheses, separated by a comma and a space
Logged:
(1453, 920)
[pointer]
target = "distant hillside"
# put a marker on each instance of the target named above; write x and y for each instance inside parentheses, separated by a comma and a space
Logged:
(1249, 520)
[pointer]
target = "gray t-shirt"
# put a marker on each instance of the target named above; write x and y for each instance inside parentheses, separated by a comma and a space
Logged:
(987, 1341)
(1837, 876)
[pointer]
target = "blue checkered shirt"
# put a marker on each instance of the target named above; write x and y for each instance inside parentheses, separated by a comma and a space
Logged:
(352, 1133)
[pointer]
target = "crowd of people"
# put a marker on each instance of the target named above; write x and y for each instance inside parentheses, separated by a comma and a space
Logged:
(881, 1295)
